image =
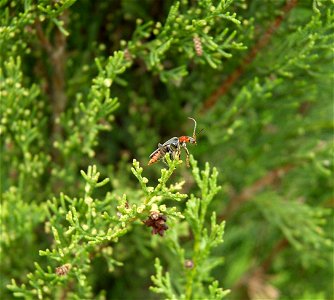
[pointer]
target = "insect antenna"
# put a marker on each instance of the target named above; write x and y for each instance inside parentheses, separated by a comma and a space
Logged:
(194, 133)
(198, 133)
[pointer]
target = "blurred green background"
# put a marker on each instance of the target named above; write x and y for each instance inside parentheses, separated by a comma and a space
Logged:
(262, 92)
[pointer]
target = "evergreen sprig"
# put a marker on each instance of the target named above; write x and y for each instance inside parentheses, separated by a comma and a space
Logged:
(90, 115)
(86, 226)
(22, 124)
(303, 229)
(177, 34)
(190, 279)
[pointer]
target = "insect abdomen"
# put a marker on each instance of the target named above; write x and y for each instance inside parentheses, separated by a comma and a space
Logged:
(155, 157)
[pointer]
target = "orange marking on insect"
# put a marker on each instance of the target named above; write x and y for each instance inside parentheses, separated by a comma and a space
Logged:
(154, 158)
(183, 139)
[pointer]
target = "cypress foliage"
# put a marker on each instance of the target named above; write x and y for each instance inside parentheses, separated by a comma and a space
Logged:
(89, 89)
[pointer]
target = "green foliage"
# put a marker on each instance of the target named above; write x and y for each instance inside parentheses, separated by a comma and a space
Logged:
(92, 225)
(89, 88)
(176, 36)
(191, 275)
(303, 230)
(22, 126)
(83, 123)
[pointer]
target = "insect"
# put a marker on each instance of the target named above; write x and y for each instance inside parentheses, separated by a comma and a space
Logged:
(173, 146)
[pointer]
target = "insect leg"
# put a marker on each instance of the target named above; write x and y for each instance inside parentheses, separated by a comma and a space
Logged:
(175, 151)
(187, 158)
(163, 150)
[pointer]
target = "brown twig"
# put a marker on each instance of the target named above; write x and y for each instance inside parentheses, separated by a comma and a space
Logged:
(45, 43)
(278, 248)
(57, 57)
(249, 192)
(262, 42)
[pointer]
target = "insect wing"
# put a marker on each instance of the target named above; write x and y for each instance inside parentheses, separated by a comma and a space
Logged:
(172, 146)
(154, 152)
(173, 141)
